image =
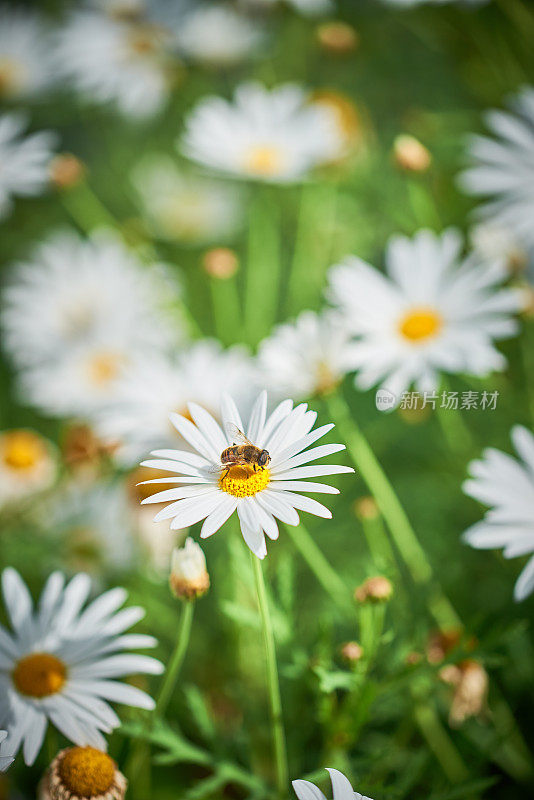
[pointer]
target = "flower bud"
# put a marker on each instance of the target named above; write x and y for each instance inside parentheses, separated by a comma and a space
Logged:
(375, 590)
(189, 577)
(66, 170)
(352, 651)
(82, 772)
(409, 154)
(337, 37)
(221, 263)
(470, 682)
(366, 508)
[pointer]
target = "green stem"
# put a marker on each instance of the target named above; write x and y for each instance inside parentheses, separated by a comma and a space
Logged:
(323, 571)
(458, 436)
(440, 742)
(263, 266)
(85, 208)
(226, 309)
(398, 523)
(378, 542)
(279, 739)
(177, 658)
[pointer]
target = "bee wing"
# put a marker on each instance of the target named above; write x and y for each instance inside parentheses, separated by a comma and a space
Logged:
(216, 469)
(235, 434)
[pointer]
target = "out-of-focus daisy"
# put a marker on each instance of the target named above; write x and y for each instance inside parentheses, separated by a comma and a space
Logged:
(433, 312)
(307, 357)
(218, 35)
(309, 8)
(113, 303)
(341, 788)
(92, 524)
(275, 136)
(260, 496)
(25, 64)
(408, 3)
(82, 772)
(28, 464)
(155, 388)
(507, 485)
(5, 760)
(345, 117)
(60, 661)
(492, 241)
(121, 59)
(24, 160)
(503, 168)
(186, 207)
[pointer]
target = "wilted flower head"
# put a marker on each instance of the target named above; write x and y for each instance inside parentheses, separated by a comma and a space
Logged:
(83, 772)
(470, 682)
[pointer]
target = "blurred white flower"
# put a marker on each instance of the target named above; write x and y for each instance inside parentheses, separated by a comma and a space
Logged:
(307, 357)
(77, 294)
(218, 35)
(189, 576)
(186, 207)
(212, 492)
(25, 62)
(507, 485)
(60, 660)
(491, 241)
(5, 760)
(309, 8)
(341, 788)
(156, 540)
(503, 168)
(408, 3)
(24, 160)
(117, 58)
(433, 312)
(93, 525)
(275, 136)
(28, 464)
(156, 387)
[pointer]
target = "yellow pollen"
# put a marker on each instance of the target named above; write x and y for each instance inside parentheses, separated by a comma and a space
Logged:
(87, 772)
(242, 481)
(39, 675)
(104, 368)
(420, 324)
(21, 450)
(263, 160)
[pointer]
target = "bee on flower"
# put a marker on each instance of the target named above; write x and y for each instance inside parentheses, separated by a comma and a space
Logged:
(60, 661)
(434, 311)
(263, 483)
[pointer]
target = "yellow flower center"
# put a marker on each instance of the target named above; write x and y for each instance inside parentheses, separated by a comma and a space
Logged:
(264, 160)
(104, 368)
(242, 481)
(420, 324)
(12, 76)
(87, 772)
(39, 675)
(21, 450)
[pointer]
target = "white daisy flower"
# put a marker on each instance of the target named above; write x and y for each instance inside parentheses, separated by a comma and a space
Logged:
(5, 760)
(114, 302)
(276, 136)
(28, 464)
(185, 207)
(25, 64)
(309, 8)
(120, 59)
(218, 35)
(433, 312)
(59, 662)
(503, 168)
(24, 160)
(341, 787)
(491, 241)
(139, 419)
(507, 485)
(260, 496)
(308, 357)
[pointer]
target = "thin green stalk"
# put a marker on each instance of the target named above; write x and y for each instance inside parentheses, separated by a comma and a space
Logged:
(279, 738)
(86, 209)
(226, 308)
(177, 659)
(440, 742)
(378, 542)
(262, 283)
(323, 571)
(457, 435)
(398, 523)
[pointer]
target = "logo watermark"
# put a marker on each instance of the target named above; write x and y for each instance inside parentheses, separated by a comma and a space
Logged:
(452, 401)
(385, 400)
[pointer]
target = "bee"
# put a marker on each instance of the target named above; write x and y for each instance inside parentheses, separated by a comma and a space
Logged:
(242, 452)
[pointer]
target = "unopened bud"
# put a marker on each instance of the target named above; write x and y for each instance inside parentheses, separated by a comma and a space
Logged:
(366, 508)
(66, 170)
(352, 651)
(337, 37)
(410, 154)
(189, 576)
(221, 263)
(375, 590)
